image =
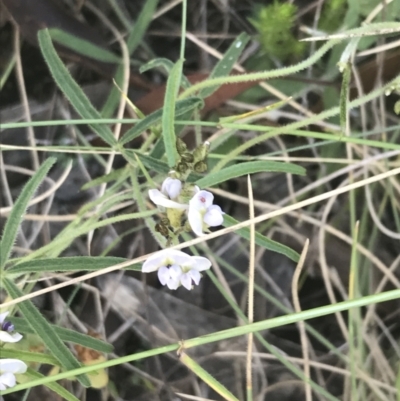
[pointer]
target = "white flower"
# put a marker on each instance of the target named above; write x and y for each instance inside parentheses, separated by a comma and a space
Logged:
(8, 368)
(202, 213)
(6, 330)
(171, 187)
(160, 199)
(175, 268)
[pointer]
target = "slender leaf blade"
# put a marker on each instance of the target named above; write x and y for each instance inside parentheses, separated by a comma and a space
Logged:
(57, 388)
(71, 89)
(18, 210)
(224, 66)
(22, 325)
(44, 330)
(262, 240)
(134, 39)
(182, 106)
(241, 169)
(167, 65)
(168, 116)
(65, 264)
(83, 46)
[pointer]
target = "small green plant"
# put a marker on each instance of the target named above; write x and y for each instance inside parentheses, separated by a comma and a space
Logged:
(274, 24)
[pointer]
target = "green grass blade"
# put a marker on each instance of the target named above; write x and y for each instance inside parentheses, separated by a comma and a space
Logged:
(182, 107)
(192, 365)
(134, 39)
(262, 240)
(18, 210)
(66, 264)
(21, 325)
(241, 169)
(82, 46)
(104, 178)
(225, 65)
(44, 330)
(168, 116)
(58, 389)
(70, 88)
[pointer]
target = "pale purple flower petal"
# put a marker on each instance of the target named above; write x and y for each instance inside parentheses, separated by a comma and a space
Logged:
(3, 317)
(164, 258)
(213, 217)
(195, 276)
(9, 338)
(171, 187)
(175, 272)
(7, 380)
(201, 200)
(195, 219)
(163, 275)
(186, 281)
(159, 199)
(200, 263)
(12, 366)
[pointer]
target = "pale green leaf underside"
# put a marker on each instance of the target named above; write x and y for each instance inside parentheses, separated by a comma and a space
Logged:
(241, 169)
(168, 116)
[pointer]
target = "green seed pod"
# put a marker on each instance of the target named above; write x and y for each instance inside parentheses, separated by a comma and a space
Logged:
(200, 167)
(182, 168)
(180, 146)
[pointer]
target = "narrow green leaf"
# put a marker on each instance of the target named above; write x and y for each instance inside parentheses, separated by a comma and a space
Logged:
(105, 178)
(344, 96)
(193, 366)
(21, 325)
(224, 66)
(70, 88)
(241, 169)
(167, 65)
(262, 240)
(168, 116)
(151, 163)
(44, 330)
(58, 389)
(134, 39)
(82, 46)
(66, 264)
(18, 210)
(28, 356)
(182, 106)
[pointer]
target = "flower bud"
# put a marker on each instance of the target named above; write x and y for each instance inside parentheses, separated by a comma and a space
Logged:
(200, 167)
(180, 146)
(200, 153)
(187, 157)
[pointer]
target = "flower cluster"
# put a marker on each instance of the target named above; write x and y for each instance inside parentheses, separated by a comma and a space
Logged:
(198, 204)
(175, 268)
(9, 367)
